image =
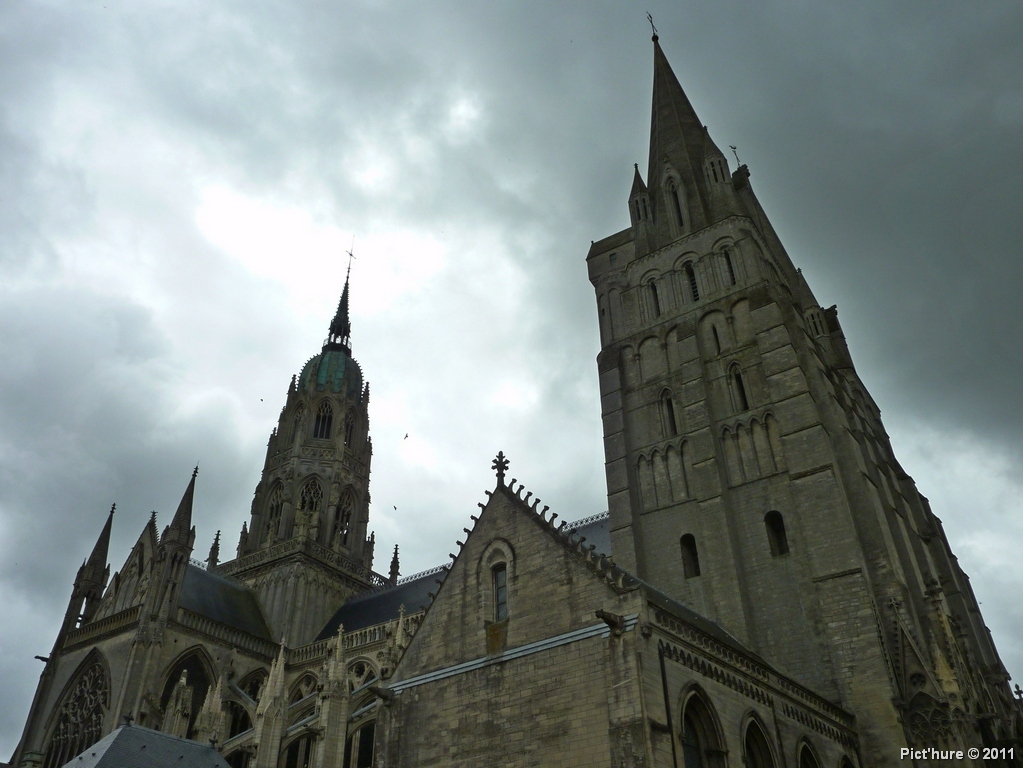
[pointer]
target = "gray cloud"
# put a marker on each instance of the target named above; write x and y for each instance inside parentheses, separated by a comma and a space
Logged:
(884, 142)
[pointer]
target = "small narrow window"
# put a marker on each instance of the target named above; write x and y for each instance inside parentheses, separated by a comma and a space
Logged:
(776, 533)
(324, 419)
(673, 194)
(690, 557)
(500, 576)
(349, 429)
(730, 266)
(741, 401)
(669, 414)
(646, 213)
(654, 301)
(694, 289)
(717, 339)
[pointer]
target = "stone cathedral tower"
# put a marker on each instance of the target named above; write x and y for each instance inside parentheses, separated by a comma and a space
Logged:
(749, 474)
(305, 548)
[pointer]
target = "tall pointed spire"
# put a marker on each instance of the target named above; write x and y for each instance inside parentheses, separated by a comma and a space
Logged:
(680, 150)
(98, 559)
(340, 333)
(183, 517)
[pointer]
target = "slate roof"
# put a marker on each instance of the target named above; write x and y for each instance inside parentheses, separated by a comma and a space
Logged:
(223, 600)
(382, 605)
(597, 530)
(137, 747)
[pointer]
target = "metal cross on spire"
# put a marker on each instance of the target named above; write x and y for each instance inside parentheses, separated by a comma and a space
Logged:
(653, 29)
(351, 255)
(735, 152)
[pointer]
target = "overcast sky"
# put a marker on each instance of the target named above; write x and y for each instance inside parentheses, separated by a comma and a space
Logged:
(179, 182)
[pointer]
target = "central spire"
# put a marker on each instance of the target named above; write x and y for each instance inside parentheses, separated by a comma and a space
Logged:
(340, 333)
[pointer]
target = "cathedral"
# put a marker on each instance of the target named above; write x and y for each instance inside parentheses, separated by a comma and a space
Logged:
(767, 587)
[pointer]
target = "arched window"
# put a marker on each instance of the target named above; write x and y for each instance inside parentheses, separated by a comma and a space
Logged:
(300, 752)
(717, 339)
(499, 576)
(349, 428)
(324, 419)
(758, 753)
(312, 496)
(701, 746)
(670, 423)
(274, 506)
(183, 696)
(359, 747)
(694, 289)
(690, 557)
(776, 533)
(80, 723)
(739, 389)
(729, 266)
(807, 759)
(238, 720)
(655, 303)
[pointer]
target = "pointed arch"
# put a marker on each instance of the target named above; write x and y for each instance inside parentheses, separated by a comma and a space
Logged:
(84, 704)
(344, 516)
(676, 202)
(297, 423)
(324, 421)
(274, 508)
(299, 752)
(186, 683)
(305, 686)
(756, 747)
(350, 420)
(311, 497)
(806, 756)
(700, 732)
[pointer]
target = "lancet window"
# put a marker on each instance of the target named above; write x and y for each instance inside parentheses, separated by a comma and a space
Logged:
(758, 753)
(499, 574)
(359, 747)
(80, 723)
(324, 421)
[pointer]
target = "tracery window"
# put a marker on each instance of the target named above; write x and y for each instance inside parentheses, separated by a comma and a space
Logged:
(274, 506)
(312, 496)
(80, 723)
(299, 753)
(324, 420)
(349, 428)
(238, 720)
(305, 686)
(345, 507)
(359, 747)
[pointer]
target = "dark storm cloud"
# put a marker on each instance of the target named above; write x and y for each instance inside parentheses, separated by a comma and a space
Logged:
(883, 139)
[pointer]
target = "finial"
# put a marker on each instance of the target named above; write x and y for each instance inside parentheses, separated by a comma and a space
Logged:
(196, 470)
(501, 466)
(653, 29)
(112, 508)
(351, 255)
(737, 160)
(128, 719)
